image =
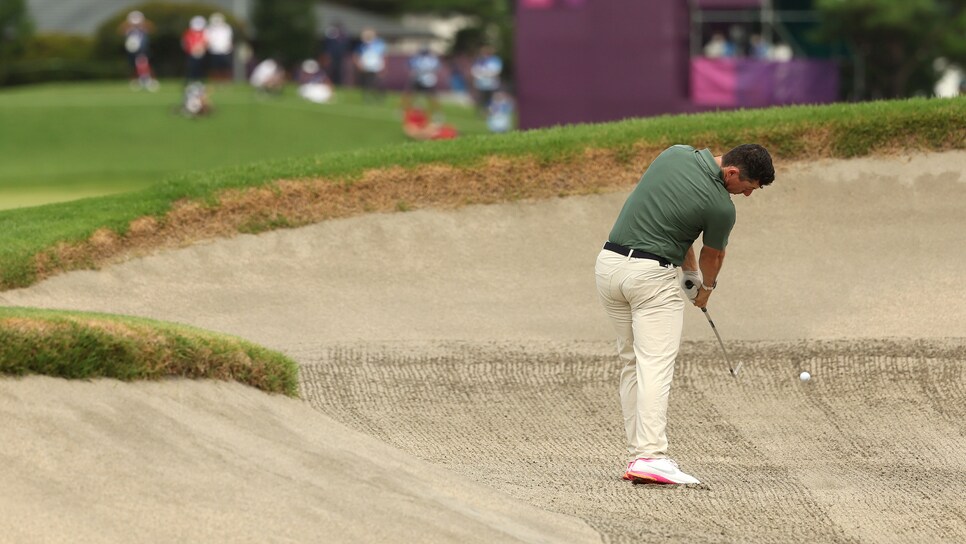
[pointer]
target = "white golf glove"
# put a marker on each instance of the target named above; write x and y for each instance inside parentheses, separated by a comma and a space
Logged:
(693, 277)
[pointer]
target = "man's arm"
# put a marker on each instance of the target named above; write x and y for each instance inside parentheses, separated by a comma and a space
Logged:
(690, 264)
(710, 263)
(691, 278)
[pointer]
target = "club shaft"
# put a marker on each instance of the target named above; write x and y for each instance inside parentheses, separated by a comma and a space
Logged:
(734, 369)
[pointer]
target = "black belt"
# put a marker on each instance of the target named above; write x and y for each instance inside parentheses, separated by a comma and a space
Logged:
(636, 253)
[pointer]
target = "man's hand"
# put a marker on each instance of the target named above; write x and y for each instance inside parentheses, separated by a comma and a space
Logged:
(690, 283)
(702, 299)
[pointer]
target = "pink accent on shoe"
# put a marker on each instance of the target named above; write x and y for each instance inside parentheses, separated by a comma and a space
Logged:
(644, 477)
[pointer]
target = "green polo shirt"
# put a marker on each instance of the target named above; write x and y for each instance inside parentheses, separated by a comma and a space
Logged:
(681, 195)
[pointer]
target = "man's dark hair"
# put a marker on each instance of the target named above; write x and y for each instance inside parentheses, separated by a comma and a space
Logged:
(753, 162)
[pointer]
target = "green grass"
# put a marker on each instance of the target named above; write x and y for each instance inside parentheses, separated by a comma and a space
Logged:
(82, 140)
(77, 345)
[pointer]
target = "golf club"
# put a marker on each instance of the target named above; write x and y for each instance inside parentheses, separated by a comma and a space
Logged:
(734, 369)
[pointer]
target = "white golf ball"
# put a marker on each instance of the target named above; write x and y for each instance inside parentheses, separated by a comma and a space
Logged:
(804, 376)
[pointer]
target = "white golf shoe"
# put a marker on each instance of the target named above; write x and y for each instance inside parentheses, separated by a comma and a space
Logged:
(659, 471)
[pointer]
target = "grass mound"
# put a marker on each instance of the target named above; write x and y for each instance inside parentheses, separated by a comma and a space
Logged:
(77, 345)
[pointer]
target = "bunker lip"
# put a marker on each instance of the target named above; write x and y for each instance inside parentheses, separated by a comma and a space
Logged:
(289, 203)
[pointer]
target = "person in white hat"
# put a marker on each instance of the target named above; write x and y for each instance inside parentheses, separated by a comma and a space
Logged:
(220, 38)
(314, 84)
(136, 29)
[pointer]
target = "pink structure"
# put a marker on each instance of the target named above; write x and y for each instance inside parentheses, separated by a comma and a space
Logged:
(748, 83)
(581, 61)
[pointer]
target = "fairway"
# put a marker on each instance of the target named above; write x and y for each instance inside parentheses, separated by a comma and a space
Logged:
(64, 142)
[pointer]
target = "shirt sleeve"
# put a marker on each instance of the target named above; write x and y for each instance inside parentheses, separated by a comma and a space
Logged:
(720, 221)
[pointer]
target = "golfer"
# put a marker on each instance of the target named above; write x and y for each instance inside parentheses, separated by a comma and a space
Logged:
(684, 192)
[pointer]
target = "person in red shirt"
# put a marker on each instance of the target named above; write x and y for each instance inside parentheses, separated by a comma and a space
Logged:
(195, 47)
(417, 125)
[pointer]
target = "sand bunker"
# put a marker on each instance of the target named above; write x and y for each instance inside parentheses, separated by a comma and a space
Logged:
(869, 450)
(470, 344)
(214, 462)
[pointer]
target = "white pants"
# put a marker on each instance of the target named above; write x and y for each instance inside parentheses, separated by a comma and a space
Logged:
(646, 307)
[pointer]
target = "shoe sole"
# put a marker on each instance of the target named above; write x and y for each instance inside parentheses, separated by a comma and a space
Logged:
(648, 478)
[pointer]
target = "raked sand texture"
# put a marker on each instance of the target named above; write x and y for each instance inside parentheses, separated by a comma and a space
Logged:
(459, 381)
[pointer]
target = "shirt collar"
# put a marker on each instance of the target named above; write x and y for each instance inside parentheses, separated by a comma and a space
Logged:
(706, 158)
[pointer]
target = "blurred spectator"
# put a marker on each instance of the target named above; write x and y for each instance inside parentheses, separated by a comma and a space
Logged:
(314, 85)
(335, 46)
(136, 30)
(196, 102)
(370, 59)
(950, 80)
(500, 114)
(758, 48)
(486, 76)
(782, 52)
(458, 92)
(220, 38)
(736, 36)
(457, 80)
(719, 47)
(195, 48)
(268, 77)
(418, 126)
(423, 79)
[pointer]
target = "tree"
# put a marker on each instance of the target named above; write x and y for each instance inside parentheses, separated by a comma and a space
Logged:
(285, 30)
(894, 42)
(16, 29)
(495, 19)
